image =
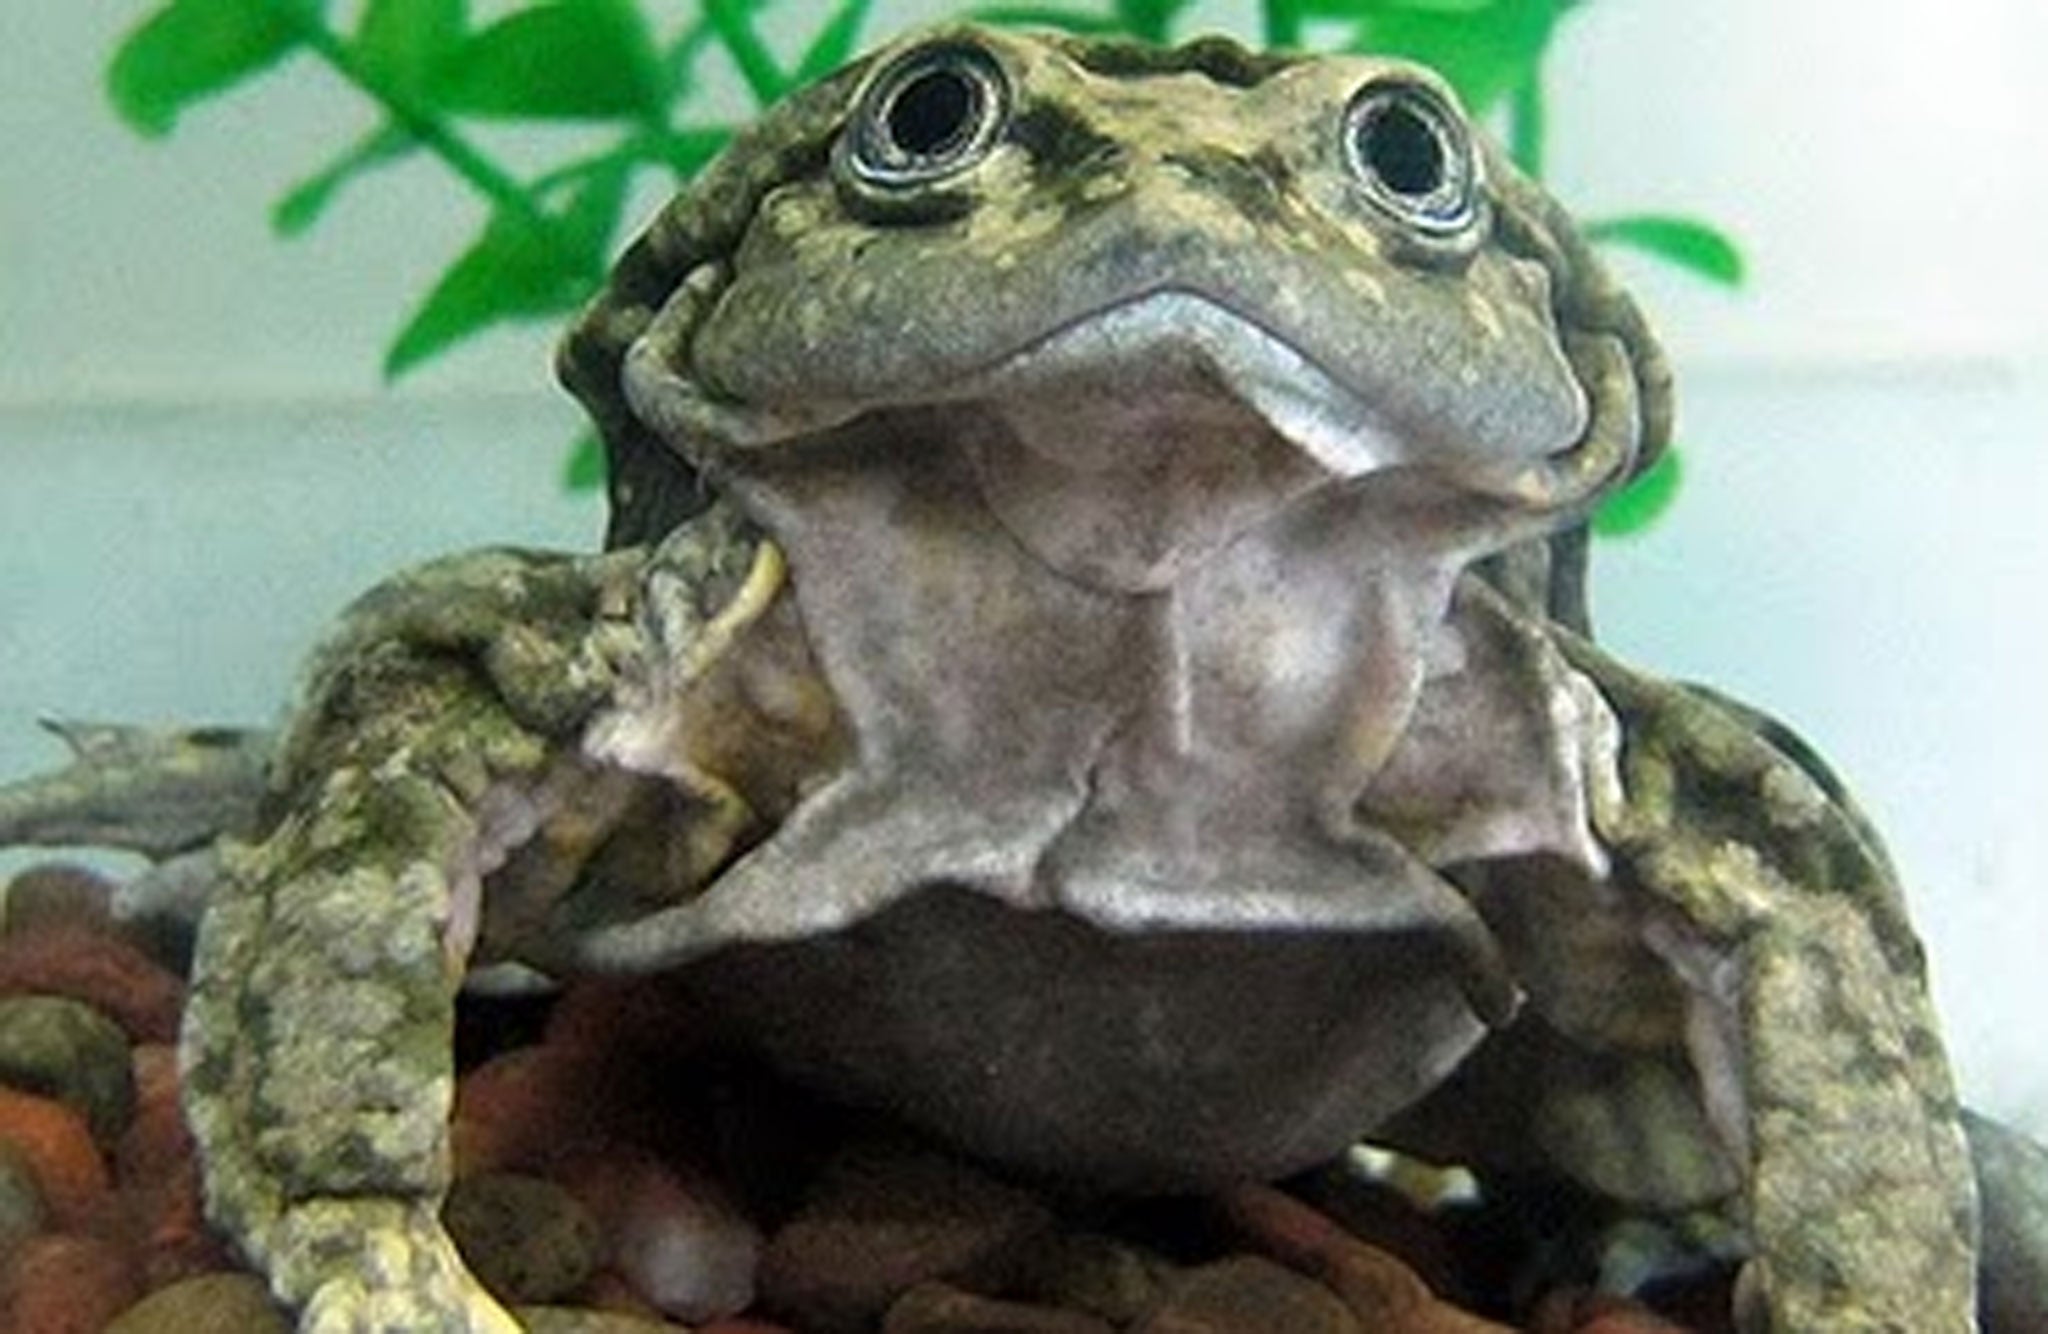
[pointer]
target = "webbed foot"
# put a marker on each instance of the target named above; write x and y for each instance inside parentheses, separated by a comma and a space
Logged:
(374, 1266)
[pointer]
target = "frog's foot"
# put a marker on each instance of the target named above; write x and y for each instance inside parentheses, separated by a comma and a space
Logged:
(156, 791)
(378, 1266)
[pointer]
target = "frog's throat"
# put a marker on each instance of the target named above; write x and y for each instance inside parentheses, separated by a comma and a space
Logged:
(1177, 761)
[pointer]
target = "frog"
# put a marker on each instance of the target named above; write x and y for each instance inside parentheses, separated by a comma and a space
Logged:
(1090, 656)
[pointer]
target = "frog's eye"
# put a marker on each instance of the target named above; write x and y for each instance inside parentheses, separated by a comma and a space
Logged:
(930, 113)
(1413, 155)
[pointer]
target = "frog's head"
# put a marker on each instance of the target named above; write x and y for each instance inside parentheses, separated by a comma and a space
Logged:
(1160, 292)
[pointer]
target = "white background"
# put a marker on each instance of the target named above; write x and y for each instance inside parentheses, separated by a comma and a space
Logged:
(197, 463)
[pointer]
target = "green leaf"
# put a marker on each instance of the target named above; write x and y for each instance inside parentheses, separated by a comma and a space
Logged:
(191, 50)
(1150, 19)
(518, 269)
(403, 42)
(1639, 504)
(567, 60)
(1345, 9)
(833, 46)
(593, 212)
(584, 469)
(302, 206)
(750, 55)
(1695, 246)
(1047, 16)
(1485, 49)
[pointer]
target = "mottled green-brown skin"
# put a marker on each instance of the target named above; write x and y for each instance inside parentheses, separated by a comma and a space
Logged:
(318, 1061)
(503, 756)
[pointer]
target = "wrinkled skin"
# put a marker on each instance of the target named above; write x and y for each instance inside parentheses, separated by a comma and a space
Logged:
(1100, 531)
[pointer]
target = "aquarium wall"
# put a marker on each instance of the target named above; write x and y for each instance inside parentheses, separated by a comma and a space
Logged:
(201, 462)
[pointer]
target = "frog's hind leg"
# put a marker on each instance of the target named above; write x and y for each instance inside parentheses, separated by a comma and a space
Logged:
(318, 1037)
(317, 1053)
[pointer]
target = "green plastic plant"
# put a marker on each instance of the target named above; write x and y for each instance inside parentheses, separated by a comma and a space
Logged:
(433, 74)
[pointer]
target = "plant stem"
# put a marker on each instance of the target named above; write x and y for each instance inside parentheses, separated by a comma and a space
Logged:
(1528, 123)
(496, 184)
(683, 54)
(765, 79)
(1283, 24)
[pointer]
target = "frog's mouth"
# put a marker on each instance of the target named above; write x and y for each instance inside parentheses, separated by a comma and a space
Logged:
(1125, 350)
(1127, 448)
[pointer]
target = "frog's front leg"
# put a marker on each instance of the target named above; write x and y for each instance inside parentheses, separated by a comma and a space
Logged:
(1812, 1025)
(318, 1036)
(1862, 1204)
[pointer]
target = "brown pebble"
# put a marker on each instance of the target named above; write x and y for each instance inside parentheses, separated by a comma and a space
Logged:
(522, 1109)
(207, 1304)
(1248, 1294)
(576, 1320)
(1389, 1220)
(58, 895)
(1379, 1289)
(157, 1143)
(1639, 1320)
(1096, 1274)
(106, 973)
(744, 1325)
(60, 1283)
(167, 1220)
(1577, 1311)
(935, 1308)
(606, 1016)
(882, 1219)
(64, 1049)
(529, 1241)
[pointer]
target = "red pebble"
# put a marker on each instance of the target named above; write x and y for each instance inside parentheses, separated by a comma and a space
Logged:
(60, 1149)
(62, 1284)
(171, 1237)
(1382, 1291)
(609, 1017)
(156, 1145)
(519, 1111)
(582, 1085)
(1576, 1311)
(51, 895)
(109, 974)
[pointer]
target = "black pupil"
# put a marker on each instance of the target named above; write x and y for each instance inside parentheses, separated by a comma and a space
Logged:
(933, 114)
(1403, 151)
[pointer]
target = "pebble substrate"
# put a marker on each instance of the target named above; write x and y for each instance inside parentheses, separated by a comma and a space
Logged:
(617, 1174)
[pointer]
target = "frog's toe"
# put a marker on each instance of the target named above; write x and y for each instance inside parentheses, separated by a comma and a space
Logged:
(367, 1266)
(348, 1306)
